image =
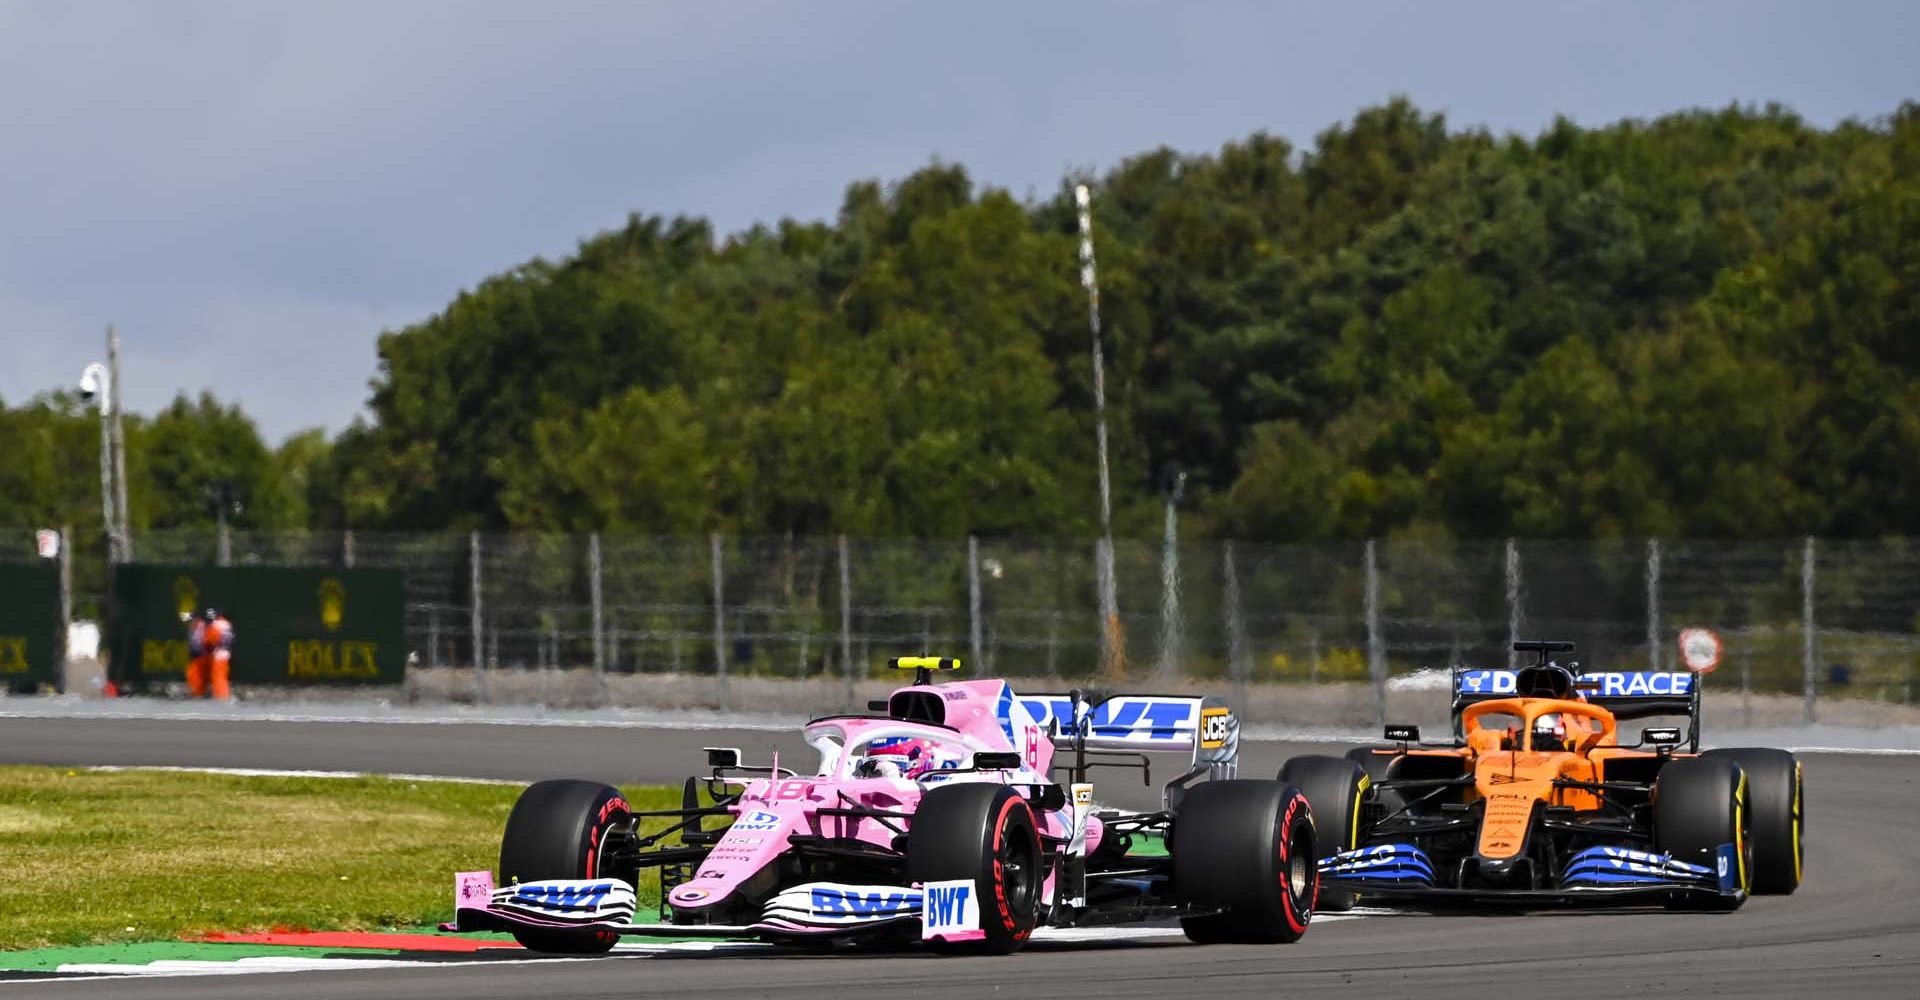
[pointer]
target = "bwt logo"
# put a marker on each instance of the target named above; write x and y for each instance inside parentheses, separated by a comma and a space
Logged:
(1162, 719)
(949, 906)
(839, 903)
(563, 897)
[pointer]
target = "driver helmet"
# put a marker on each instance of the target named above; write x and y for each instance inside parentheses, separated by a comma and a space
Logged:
(1550, 732)
(210, 614)
(902, 757)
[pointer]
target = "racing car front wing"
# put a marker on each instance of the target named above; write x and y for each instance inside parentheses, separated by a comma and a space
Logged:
(1405, 873)
(816, 909)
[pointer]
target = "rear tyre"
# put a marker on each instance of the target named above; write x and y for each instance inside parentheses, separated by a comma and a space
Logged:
(1246, 847)
(556, 831)
(1375, 764)
(1776, 811)
(985, 833)
(1699, 806)
(1335, 787)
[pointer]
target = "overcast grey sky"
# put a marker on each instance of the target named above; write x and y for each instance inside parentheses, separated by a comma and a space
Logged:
(253, 191)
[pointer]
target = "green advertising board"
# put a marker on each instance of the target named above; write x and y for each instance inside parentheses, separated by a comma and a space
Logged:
(297, 625)
(30, 635)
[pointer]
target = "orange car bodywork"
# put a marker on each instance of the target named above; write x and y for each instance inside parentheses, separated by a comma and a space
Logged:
(1511, 775)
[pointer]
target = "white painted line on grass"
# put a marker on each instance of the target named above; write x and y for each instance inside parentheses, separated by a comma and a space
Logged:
(263, 772)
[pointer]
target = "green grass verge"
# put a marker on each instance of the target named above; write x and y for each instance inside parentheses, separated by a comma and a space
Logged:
(89, 857)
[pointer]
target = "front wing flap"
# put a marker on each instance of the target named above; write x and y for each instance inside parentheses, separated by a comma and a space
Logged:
(1404, 872)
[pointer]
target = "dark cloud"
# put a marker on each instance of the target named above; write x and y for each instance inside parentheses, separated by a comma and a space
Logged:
(254, 191)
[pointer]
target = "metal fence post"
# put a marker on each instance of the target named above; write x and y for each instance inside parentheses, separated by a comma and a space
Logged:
(599, 611)
(346, 549)
(1171, 639)
(1376, 644)
(1746, 680)
(1236, 628)
(66, 609)
(719, 620)
(1653, 604)
(973, 599)
(479, 633)
(846, 619)
(1513, 601)
(1809, 688)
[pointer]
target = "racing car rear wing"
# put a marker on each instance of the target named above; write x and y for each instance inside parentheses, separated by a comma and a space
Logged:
(1085, 721)
(1627, 694)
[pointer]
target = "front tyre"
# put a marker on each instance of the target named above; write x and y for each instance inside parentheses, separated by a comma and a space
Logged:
(984, 833)
(556, 831)
(1700, 807)
(1776, 814)
(1247, 848)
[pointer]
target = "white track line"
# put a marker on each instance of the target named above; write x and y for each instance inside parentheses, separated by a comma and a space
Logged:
(272, 963)
(263, 772)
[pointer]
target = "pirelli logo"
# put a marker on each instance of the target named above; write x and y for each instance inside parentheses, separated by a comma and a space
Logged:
(1216, 725)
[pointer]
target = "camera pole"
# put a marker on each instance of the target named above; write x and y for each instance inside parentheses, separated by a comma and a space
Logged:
(119, 444)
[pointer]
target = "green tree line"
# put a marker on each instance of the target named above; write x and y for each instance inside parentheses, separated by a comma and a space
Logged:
(1707, 324)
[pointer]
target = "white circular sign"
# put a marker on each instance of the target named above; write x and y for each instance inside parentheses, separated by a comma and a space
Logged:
(1699, 649)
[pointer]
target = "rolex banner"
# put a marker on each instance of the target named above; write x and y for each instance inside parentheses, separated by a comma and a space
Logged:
(291, 626)
(30, 639)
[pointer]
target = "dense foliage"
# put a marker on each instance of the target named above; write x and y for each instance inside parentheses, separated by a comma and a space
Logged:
(1704, 325)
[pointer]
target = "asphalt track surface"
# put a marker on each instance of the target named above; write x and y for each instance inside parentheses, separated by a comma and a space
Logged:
(1852, 930)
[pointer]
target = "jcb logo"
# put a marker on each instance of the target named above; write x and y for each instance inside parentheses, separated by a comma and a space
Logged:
(1216, 725)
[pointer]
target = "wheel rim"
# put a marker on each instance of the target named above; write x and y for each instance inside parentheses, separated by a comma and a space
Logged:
(1300, 868)
(1015, 869)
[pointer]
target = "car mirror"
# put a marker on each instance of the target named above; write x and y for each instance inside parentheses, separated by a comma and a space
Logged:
(720, 758)
(1666, 737)
(1403, 734)
(995, 760)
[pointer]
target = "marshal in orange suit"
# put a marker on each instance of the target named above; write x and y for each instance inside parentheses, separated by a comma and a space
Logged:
(210, 640)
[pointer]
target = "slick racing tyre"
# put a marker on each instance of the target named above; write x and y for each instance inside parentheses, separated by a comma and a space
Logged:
(556, 831)
(1375, 764)
(984, 833)
(1246, 848)
(1335, 787)
(1776, 816)
(1699, 805)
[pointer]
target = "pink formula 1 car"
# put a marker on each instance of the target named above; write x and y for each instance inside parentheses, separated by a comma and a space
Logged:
(939, 821)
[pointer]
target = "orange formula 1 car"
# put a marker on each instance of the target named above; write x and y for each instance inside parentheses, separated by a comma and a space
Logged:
(1536, 802)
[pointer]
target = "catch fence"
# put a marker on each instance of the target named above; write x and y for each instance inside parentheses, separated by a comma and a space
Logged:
(1812, 618)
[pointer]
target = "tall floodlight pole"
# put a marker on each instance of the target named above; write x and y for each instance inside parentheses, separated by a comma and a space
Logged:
(119, 444)
(1109, 600)
(93, 386)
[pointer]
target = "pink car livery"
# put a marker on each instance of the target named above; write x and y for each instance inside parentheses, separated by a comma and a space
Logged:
(939, 821)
